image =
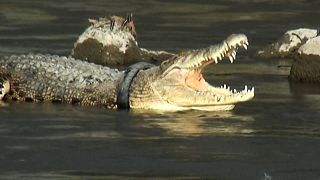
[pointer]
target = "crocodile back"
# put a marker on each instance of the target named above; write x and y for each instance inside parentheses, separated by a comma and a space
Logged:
(59, 79)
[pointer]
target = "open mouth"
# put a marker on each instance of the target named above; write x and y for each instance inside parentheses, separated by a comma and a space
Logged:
(190, 90)
(209, 97)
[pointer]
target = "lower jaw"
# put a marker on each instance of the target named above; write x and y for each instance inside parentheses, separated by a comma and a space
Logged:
(214, 108)
(163, 106)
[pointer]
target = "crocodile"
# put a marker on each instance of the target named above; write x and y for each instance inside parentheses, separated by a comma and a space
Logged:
(175, 84)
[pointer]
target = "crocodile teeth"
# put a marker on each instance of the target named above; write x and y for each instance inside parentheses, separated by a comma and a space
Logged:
(225, 52)
(234, 54)
(215, 60)
(251, 90)
(245, 46)
(222, 55)
(231, 59)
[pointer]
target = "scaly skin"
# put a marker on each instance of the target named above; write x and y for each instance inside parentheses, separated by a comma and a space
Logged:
(59, 79)
(177, 84)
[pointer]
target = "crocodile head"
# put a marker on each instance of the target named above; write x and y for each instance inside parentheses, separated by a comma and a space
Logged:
(178, 83)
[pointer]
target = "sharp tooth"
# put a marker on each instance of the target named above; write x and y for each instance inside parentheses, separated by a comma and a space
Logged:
(224, 86)
(229, 88)
(245, 46)
(224, 52)
(234, 54)
(231, 59)
(215, 60)
(245, 88)
(252, 89)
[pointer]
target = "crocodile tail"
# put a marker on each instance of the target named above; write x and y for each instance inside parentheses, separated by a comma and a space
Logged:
(4, 84)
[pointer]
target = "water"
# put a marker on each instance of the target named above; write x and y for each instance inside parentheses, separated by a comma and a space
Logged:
(274, 136)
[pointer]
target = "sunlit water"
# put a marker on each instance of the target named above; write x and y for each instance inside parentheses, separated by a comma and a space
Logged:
(274, 136)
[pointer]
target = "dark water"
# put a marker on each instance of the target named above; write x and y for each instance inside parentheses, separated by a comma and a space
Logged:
(274, 136)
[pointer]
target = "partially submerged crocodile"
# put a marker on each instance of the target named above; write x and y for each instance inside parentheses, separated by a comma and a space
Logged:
(177, 84)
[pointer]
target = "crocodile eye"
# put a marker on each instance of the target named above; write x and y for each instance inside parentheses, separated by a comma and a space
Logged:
(164, 64)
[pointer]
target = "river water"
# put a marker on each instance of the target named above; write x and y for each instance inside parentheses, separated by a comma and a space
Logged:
(274, 136)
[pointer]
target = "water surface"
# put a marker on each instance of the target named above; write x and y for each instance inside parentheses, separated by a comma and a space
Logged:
(274, 136)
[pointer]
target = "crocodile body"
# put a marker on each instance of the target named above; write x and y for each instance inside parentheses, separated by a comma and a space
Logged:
(176, 84)
(59, 79)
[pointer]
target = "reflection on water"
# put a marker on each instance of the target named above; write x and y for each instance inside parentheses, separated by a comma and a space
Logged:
(197, 124)
(275, 135)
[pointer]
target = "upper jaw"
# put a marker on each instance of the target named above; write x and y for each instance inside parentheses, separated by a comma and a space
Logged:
(227, 49)
(198, 59)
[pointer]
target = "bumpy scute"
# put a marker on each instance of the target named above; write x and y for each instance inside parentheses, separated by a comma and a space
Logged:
(59, 80)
